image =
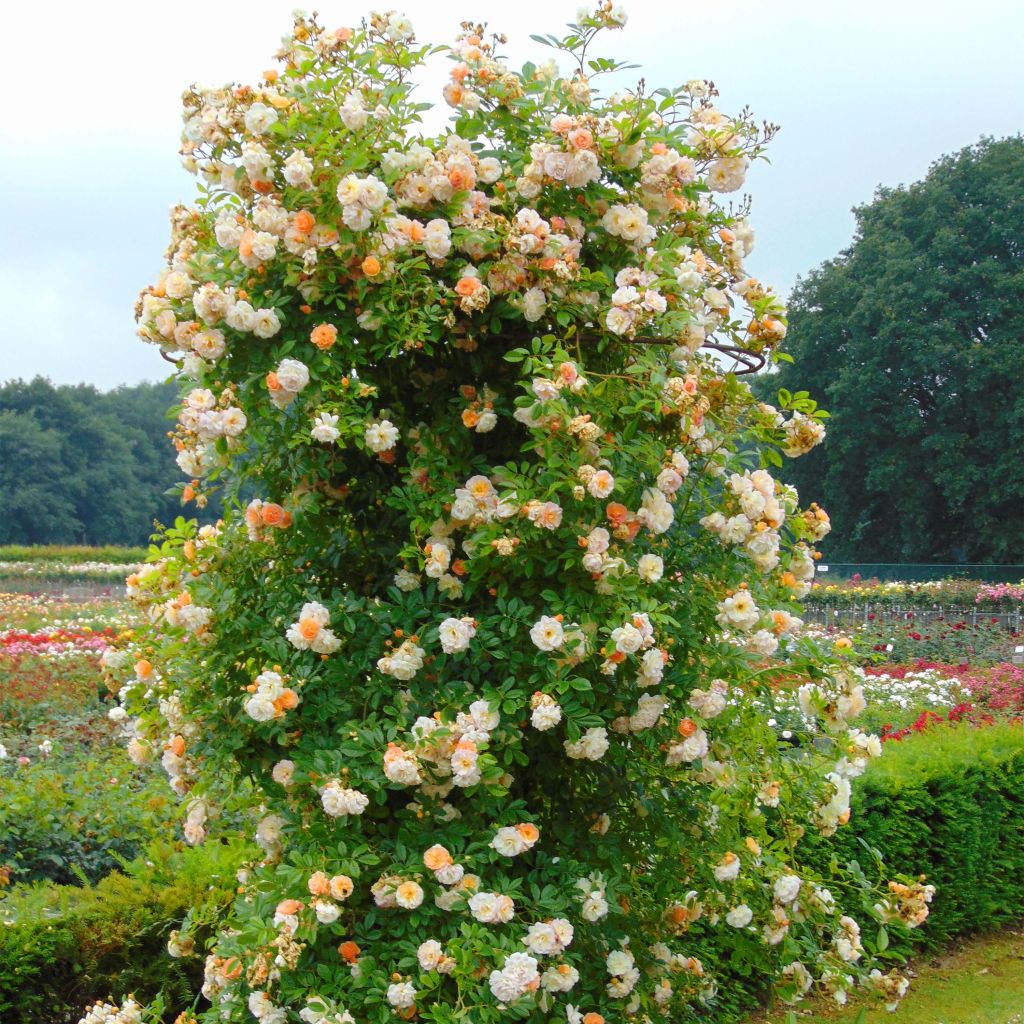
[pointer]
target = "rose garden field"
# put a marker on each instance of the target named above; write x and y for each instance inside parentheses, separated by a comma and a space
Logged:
(490, 697)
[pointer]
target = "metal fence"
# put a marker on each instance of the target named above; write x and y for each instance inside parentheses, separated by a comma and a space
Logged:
(856, 615)
(919, 571)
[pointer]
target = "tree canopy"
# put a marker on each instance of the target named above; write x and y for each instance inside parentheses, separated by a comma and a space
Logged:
(913, 339)
(78, 465)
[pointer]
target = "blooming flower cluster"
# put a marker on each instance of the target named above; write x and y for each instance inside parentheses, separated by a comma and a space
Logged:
(481, 373)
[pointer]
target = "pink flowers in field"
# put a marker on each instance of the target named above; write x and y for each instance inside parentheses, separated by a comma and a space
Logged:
(997, 592)
(999, 687)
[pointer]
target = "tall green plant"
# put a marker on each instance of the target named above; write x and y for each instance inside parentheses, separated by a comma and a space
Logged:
(484, 642)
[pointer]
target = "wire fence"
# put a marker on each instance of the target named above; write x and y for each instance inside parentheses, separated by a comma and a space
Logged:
(856, 615)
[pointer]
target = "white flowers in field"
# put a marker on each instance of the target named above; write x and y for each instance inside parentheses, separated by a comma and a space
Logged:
(738, 611)
(549, 938)
(518, 974)
(547, 633)
(360, 198)
(381, 436)
(512, 840)
(740, 916)
(455, 634)
(270, 697)
(546, 712)
(591, 746)
(491, 908)
(786, 888)
(401, 995)
(290, 377)
(129, 1012)
(311, 632)
(339, 800)
(325, 428)
(404, 662)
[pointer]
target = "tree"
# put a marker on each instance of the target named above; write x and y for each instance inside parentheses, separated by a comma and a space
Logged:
(37, 509)
(913, 338)
(105, 463)
(480, 656)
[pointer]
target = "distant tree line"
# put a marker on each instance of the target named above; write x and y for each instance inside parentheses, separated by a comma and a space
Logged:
(913, 339)
(82, 466)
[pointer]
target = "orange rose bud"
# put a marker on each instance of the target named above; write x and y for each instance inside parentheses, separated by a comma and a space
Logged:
(617, 513)
(304, 221)
(687, 727)
(348, 951)
(371, 266)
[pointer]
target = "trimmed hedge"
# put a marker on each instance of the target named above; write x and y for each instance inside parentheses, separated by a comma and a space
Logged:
(63, 947)
(949, 804)
(70, 553)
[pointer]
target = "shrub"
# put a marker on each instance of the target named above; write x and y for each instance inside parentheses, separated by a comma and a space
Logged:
(482, 644)
(948, 803)
(76, 813)
(61, 947)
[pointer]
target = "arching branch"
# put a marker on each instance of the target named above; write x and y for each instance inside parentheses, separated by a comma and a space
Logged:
(750, 361)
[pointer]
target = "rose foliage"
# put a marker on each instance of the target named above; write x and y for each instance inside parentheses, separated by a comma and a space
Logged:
(482, 648)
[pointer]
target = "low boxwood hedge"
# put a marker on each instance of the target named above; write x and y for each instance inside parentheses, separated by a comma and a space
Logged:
(948, 804)
(62, 947)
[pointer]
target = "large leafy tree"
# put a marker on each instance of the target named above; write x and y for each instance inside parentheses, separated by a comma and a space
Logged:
(80, 465)
(36, 507)
(913, 338)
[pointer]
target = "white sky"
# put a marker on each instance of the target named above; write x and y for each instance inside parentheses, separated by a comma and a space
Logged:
(867, 93)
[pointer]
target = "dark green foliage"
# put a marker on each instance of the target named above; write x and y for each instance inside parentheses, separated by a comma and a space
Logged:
(82, 466)
(948, 804)
(63, 947)
(913, 339)
(74, 815)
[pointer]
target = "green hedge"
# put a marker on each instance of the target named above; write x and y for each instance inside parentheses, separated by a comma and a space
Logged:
(70, 553)
(63, 947)
(949, 804)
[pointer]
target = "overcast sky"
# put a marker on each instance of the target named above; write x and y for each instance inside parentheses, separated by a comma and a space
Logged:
(866, 92)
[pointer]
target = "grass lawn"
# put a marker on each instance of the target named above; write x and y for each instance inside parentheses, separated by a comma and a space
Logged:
(979, 981)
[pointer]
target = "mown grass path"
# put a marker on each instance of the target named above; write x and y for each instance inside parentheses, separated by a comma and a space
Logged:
(979, 981)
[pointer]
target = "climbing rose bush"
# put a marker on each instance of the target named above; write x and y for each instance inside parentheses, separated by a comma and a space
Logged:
(480, 637)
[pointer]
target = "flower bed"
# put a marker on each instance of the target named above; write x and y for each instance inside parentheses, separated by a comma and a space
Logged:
(107, 572)
(949, 594)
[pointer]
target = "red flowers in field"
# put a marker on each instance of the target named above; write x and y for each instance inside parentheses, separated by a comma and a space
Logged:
(927, 719)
